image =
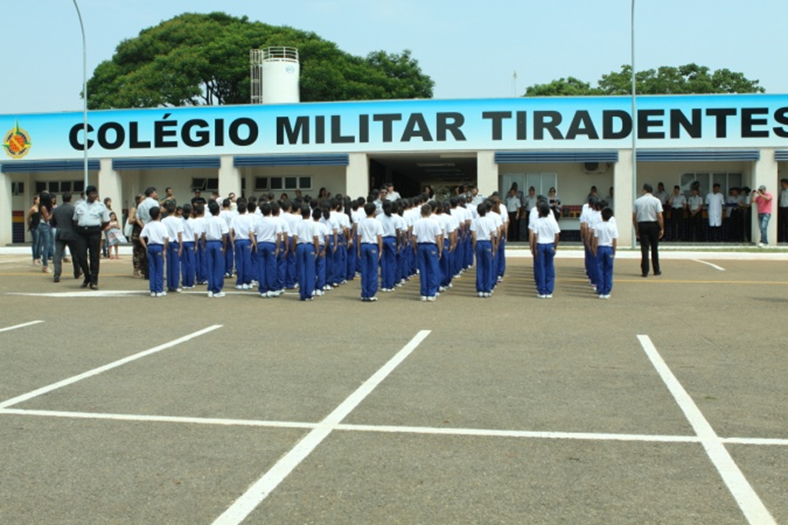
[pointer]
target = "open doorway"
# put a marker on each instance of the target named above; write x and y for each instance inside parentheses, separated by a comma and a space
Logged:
(410, 173)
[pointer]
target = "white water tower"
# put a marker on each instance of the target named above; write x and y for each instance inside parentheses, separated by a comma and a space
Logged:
(275, 72)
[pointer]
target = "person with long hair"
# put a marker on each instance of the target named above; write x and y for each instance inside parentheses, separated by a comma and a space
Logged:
(44, 232)
(139, 254)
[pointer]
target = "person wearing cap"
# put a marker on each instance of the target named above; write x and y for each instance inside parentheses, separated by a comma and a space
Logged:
(91, 217)
(649, 228)
(763, 199)
(198, 199)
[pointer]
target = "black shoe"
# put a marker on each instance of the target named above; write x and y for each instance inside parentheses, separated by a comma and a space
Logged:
(56, 279)
(84, 284)
(93, 286)
(657, 273)
(78, 275)
(644, 275)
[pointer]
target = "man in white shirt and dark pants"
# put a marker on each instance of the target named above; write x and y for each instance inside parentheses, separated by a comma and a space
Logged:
(649, 228)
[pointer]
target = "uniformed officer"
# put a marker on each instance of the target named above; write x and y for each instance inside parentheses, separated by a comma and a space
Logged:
(91, 218)
(649, 228)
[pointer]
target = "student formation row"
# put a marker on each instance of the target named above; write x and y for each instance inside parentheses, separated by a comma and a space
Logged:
(315, 247)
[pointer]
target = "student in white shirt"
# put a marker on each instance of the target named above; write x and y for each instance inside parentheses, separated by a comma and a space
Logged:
(391, 238)
(544, 242)
(188, 248)
(428, 244)
(241, 225)
(229, 214)
(174, 227)
(200, 261)
(305, 244)
(154, 239)
(278, 215)
(483, 242)
(320, 216)
(604, 248)
(695, 205)
(266, 237)
(370, 250)
(215, 239)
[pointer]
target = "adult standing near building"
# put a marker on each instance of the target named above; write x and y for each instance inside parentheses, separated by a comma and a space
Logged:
(151, 201)
(63, 220)
(782, 212)
(143, 217)
(715, 201)
(168, 197)
(198, 198)
(677, 203)
(91, 218)
(513, 204)
(763, 199)
(392, 195)
(138, 250)
(649, 228)
(662, 194)
(33, 219)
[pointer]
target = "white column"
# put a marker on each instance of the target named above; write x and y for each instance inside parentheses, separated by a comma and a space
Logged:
(110, 185)
(6, 210)
(357, 176)
(486, 172)
(765, 173)
(229, 177)
(623, 201)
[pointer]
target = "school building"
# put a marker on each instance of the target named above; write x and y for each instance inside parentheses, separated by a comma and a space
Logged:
(350, 147)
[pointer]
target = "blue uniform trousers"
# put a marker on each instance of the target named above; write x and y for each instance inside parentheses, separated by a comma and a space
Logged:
(156, 267)
(214, 258)
(267, 267)
(305, 253)
(187, 264)
(229, 258)
(173, 266)
(484, 261)
(369, 270)
(244, 270)
(604, 259)
(388, 269)
(321, 267)
(429, 269)
(544, 270)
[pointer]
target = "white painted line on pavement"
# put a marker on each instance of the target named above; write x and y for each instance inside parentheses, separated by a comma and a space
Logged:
(19, 326)
(756, 441)
(749, 502)
(85, 293)
(158, 419)
(244, 505)
(720, 268)
(443, 431)
(96, 371)
(590, 436)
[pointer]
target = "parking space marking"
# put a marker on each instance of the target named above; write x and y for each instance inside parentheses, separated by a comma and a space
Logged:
(96, 371)
(158, 419)
(244, 505)
(720, 268)
(747, 499)
(31, 323)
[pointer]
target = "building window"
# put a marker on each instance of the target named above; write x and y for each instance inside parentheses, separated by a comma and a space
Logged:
(705, 181)
(260, 183)
(282, 183)
(17, 188)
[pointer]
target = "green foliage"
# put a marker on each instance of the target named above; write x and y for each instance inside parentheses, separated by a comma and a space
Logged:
(686, 79)
(196, 59)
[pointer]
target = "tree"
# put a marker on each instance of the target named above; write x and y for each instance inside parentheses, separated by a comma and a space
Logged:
(197, 59)
(686, 79)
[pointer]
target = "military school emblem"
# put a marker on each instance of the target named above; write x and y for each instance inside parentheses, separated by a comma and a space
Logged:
(16, 142)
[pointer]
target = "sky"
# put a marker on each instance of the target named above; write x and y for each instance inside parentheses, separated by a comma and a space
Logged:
(470, 49)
